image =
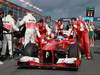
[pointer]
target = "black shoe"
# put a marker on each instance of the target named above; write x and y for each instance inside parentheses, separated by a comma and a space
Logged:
(1, 62)
(10, 57)
(3, 57)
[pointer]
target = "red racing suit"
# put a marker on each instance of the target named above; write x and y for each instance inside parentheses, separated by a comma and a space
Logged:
(82, 32)
(44, 31)
(59, 28)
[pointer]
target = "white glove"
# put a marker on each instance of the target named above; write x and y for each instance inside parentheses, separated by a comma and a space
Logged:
(75, 26)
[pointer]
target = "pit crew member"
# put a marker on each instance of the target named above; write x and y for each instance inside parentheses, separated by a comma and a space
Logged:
(31, 29)
(9, 26)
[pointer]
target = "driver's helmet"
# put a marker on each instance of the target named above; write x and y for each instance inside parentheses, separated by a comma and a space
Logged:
(60, 36)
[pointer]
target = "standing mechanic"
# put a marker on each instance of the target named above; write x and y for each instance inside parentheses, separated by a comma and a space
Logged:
(83, 34)
(69, 31)
(9, 26)
(59, 26)
(44, 30)
(30, 24)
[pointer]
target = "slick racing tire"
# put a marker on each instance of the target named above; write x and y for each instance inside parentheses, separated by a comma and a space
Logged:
(73, 51)
(30, 50)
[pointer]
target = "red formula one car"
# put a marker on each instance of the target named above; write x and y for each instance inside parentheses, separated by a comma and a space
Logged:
(52, 53)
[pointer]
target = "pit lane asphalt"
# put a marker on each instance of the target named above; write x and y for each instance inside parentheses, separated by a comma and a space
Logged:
(88, 67)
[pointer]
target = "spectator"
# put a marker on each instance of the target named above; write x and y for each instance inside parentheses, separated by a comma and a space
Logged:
(91, 34)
